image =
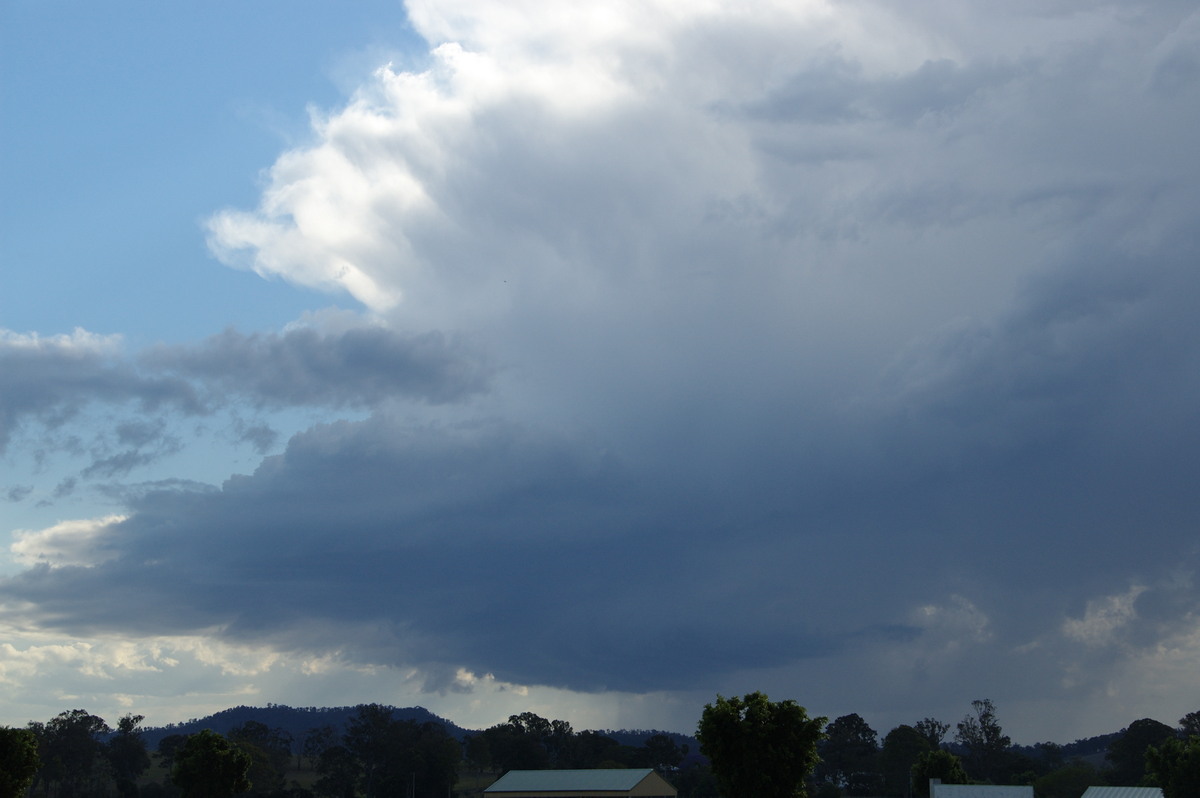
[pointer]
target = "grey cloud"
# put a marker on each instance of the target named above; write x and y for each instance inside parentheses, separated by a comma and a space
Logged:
(16, 493)
(51, 382)
(65, 488)
(55, 381)
(259, 435)
(835, 91)
(122, 463)
(359, 367)
(991, 455)
(466, 546)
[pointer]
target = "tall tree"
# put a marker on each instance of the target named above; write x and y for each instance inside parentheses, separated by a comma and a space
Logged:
(938, 764)
(848, 753)
(127, 753)
(168, 747)
(984, 740)
(208, 765)
(270, 752)
(399, 757)
(338, 773)
(662, 753)
(901, 748)
(1126, 755)
(1175, 767)
(316, 742)
(933, 730)
(19, 761)
(509, 747)
(1189, 724)
(759, 747)
(591, 749)
(72, 753)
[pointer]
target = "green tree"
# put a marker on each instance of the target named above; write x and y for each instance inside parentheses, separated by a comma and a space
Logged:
(937, 764)
(901, 748)
(209, 766)
(984, 740)
(19, 761)
(127, 754)
(1127, 754)
(758, 747)
(1069, 781)
(1175, 767)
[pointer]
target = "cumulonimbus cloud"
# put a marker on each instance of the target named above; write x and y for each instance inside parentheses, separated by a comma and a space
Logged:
(802, 316)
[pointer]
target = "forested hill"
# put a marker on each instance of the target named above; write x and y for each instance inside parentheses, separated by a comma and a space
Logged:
(298, 721)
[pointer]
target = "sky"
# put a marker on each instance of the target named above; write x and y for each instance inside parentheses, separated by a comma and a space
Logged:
(596, 359)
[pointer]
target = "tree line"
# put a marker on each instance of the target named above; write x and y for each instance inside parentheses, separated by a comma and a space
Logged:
(774, 750)
(372, 755)
(375, 754)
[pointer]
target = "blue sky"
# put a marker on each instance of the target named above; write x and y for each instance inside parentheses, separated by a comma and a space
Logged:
(592, 360)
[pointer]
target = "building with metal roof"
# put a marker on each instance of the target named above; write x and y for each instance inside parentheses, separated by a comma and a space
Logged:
(1123, 792)
(939, 790)
(600, 783)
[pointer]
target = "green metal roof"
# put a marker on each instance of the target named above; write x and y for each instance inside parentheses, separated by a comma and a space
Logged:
(569, 780)
(982, 791)
(1123, 792)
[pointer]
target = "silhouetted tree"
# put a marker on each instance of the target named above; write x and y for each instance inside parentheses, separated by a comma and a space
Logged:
(759, 747)
(1189, 724)
(127, 753)
(511, 746)
(316, 742)
(1068, 781)
(932, 730)
(168, 747)
(937, 764)
(400, 757)
(72, 754)
(208, 765)
(848, 750)
(1127, 754)
(270, 752)
(901, 748)
(19, 761)
(339, 773)
(589, 749)
(984, 740)
(662, 753)
(696, 781)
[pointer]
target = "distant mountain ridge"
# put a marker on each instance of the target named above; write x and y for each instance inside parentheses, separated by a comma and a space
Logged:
(298, 721)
